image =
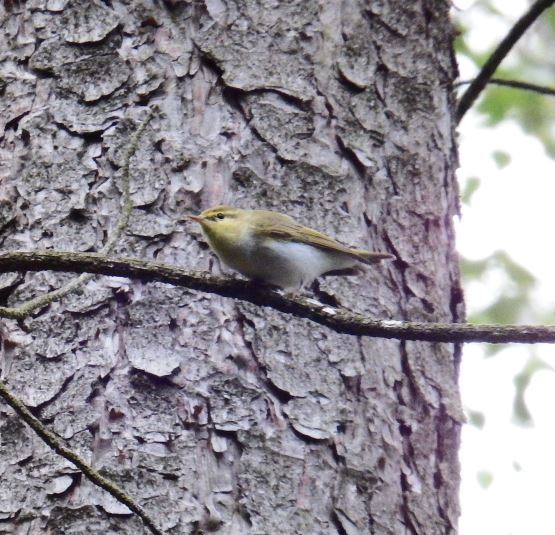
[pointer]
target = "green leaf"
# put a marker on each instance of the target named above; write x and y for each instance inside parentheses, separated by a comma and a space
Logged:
(495, 104)
(527, 62)
(514, 299)
(525, 279)
(515, 294)
(474, 269)
(501, 158)
(471, 185)
(476, 418)
(550, 17)
(532, 111)
(521, 413)
(485, 478)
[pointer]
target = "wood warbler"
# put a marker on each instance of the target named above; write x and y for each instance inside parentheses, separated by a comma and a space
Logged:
(274, 248)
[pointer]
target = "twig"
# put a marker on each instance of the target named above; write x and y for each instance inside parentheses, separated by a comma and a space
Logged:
(23, 310)
(543, 90)
(337, 319)
(504, 47)
(59, 447)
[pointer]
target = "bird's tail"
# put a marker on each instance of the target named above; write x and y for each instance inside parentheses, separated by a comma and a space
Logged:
(369, 257)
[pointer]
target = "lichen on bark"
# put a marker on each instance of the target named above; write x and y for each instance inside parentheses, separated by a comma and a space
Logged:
(219, 415)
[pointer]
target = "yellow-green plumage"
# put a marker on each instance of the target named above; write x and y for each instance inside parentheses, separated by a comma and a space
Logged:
(274, 248)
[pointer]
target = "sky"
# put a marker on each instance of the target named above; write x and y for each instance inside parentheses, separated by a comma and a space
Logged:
(507, 469)
(512, 210)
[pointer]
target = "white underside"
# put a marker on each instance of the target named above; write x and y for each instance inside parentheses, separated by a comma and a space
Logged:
(289, 265)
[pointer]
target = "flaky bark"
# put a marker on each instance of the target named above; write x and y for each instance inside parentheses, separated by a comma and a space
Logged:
(219, 416)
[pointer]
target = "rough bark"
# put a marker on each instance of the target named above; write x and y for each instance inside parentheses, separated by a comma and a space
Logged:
(219, 416)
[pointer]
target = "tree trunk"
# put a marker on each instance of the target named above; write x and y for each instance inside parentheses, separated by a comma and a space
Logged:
(218, 416)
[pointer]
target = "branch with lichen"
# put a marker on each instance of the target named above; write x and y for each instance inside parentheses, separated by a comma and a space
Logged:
(25, 309)
(57, 444)
(338, 319)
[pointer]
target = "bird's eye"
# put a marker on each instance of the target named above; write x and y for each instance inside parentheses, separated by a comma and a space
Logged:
(220, 215)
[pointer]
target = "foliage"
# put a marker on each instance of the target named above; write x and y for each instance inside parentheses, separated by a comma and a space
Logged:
(511, 298)
(529, 61)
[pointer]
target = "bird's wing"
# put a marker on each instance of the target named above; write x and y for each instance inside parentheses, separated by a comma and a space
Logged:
(283, 227)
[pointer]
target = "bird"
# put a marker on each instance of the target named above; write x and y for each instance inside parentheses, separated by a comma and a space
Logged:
(272, 248)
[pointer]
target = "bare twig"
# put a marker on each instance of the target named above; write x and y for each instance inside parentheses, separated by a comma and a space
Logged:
(337, 319)
(517, 84)
(60, 448)
(504, 47)
(23, 310)
(27, 308)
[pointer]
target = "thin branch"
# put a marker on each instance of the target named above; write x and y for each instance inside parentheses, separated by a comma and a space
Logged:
(23, 310)
(126, 204)
(541, 89)
(60, 448)
(337, 319)
(504, 47)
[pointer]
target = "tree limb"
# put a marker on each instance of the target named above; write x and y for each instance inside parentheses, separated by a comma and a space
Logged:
(337, 319)
(25, 309)
(517, 84)
(60, 448)
(504, 47)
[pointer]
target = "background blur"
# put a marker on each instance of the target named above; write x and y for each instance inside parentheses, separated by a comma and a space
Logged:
(507, 179)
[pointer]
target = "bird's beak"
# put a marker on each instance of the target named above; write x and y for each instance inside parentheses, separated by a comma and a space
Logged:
(196, 218)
